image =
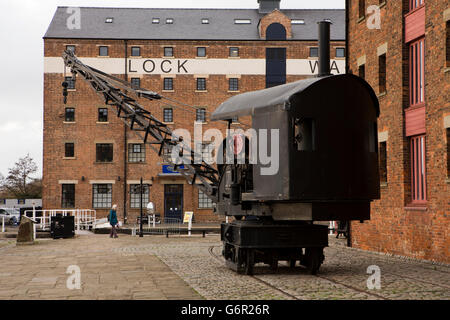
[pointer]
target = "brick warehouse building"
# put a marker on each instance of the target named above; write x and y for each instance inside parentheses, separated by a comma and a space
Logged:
(407, 62)
(200, 57)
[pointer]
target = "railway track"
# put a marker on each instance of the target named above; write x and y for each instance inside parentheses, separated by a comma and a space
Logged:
(220, 258)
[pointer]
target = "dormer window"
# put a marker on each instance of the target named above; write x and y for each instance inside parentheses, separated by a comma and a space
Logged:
(242, 21)
(109, 20)
(169, 21)
(205, 21)
(155, 20)
(298, 21)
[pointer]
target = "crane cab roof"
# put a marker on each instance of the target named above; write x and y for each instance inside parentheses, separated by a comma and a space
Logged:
(267, 100)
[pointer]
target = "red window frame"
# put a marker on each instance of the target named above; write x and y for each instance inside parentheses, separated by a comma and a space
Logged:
(418, 169)
(417, 72)
(414, 4)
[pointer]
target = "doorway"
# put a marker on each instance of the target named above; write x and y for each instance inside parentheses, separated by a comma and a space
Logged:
(173, 201)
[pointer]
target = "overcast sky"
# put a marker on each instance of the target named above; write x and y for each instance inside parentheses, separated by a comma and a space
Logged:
(22, 25)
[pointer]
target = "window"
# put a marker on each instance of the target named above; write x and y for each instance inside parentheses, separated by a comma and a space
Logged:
(362, 71)
(109, 20)
(136, 152)
(69, 151)
(233, 84)
(69, 115)
(104, 152)
(242, 21)
(168, 84)
(103, 51)
(168, 115)
(201, 84)
(205, 21)
(297, 21)
(207, 151)
(2, 201)
(235, 120)
(102, 196)
(203, 201)
(417, 72)
(413, 4)
(313, 52)
(169, 21)
(304, 134)
(20, 201)
(276, 31)
(448, 152)
(68, 196)
(168, 51)
(234, 52)
(340, 52)
(382, 73)
(155, 20)
(383, 162)
(135, 195)
(167, 150)
(135, 83)
(135, 51)
(362, 8)
(70, 48)
(102, 115)
(201, 115)
(71, 82)
(418, 163)
(201, 52)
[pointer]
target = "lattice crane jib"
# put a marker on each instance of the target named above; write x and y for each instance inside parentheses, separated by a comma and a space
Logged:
(117, 94)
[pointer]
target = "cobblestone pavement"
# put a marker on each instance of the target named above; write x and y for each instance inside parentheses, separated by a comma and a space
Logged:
(155, 267)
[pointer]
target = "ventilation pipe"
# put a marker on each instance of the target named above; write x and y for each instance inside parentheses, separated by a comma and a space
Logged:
(324, 48)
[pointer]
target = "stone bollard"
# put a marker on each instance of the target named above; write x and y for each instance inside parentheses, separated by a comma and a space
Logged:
(26, 234)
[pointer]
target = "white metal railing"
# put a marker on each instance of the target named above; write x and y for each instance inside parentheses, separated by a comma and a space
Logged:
(333, 227)
(84, 218)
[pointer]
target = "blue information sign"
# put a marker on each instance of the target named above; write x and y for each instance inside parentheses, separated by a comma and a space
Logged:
(169, 168)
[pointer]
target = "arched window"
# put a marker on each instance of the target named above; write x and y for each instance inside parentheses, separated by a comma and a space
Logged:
(276, 31)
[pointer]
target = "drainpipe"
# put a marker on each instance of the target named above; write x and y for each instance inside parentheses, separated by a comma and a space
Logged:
(347, 70)
(125, 138)
(347, 15)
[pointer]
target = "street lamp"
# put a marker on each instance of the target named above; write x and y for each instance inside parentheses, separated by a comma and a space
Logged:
(141, 229)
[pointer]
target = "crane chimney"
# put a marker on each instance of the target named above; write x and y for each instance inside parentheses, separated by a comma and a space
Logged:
(324, 48)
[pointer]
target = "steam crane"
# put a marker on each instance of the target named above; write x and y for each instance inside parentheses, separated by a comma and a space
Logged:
(327, 164)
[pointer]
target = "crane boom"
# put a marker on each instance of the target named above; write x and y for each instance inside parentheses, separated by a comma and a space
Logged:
(154, 133)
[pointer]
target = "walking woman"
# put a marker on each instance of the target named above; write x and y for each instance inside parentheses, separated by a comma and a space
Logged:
(113, 221)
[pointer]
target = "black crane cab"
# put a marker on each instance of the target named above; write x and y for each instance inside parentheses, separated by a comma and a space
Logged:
(327, 148)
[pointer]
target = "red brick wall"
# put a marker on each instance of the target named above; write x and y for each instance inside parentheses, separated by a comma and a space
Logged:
(396, 226)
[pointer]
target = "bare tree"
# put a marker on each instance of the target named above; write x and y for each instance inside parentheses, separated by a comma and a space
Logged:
(3, 191)
(19, 181)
